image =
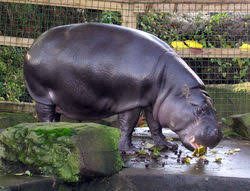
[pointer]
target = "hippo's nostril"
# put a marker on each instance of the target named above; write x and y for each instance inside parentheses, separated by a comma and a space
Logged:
(193, 142)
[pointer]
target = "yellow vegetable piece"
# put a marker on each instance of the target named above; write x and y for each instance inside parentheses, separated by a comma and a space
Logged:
(218, 160)
(200, 151)
(186, 160)
(232, 151)
(178, 45)
(245, 47)
(193, 44)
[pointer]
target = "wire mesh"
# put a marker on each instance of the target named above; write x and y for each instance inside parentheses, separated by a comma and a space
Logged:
(213, 37)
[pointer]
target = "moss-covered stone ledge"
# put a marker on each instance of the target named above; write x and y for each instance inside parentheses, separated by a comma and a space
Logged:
(230, 99)
(68, 151)
(11, 119)
(241, 124)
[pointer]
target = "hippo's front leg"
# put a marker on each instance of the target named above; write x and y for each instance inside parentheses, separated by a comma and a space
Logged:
(156, 131)
(47, 113)
(127, 122)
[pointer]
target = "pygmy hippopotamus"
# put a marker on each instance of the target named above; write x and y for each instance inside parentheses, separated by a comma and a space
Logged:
(91, 71)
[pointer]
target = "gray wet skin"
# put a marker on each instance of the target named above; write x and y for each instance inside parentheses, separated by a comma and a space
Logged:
(91, 71)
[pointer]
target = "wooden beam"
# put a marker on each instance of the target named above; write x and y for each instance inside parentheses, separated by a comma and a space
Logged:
(186, 1)
(7, 106)
(186, 53)
(16, 41)
(129, 19)
(192, 7)
(184, 6)
(85, 4)
(214, 53)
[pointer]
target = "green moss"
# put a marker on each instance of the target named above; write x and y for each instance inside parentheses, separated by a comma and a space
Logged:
(11, 119)
(54, 133)
(241, 124)
(230, 99)
(229, 133)
(55, 148)
(44, 147)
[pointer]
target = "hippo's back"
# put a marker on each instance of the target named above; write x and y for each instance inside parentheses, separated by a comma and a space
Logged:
(103, 67)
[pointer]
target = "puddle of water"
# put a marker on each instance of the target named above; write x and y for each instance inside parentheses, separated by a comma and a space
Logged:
(232, 165)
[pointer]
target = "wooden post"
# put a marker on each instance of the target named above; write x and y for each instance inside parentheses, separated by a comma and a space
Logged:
(129, 18)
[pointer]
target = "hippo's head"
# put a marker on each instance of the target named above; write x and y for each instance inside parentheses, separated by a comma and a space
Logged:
(193, 118)
(203, 130)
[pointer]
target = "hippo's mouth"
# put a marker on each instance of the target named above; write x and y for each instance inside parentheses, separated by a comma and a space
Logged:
(193, 143)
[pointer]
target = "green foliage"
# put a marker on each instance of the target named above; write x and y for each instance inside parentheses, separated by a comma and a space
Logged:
(111, 17)
(62, 149)
(221, 30)
(26, 20)
(235, 69)
(11, 119)
(155, 152)
(54, 133)
(12, 86)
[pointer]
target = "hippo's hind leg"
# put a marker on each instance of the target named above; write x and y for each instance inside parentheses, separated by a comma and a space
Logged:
(127, 122)
(47, 113)
(156, 131)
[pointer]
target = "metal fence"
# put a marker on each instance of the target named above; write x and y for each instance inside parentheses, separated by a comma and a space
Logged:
(212, 36)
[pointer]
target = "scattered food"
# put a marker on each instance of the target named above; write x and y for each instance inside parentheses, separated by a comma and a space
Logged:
(146, 165)
(232, 151)
(178, 160)
(218, 160)
(193, 44)
(206, 161)
(27, 173)
(203, 160)
(142, 153)
(213, 151)
(200, 151)
(245, 47)
(170, 139)
(178, 45)
(149, 145)
(186, 160)
(163, 164)
(155, 154)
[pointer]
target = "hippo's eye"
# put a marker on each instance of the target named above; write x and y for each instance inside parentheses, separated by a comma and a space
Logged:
(201, 110)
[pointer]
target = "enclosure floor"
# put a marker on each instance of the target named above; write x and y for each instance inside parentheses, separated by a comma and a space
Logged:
(150, 174)
(234, 164)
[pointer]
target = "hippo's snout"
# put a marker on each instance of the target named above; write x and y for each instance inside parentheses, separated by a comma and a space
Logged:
(210, 140)
(202, 135)
(209, 136)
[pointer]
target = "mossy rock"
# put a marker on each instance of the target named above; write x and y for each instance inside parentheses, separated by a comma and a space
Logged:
(230, 99)
(11, 119)
(241, 124)
(68, 151)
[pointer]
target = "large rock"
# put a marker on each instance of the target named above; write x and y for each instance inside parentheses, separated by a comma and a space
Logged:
(241, 124)
(66, 150)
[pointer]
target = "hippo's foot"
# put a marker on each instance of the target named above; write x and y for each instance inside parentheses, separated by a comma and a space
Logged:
(128, 149)
(167, 145)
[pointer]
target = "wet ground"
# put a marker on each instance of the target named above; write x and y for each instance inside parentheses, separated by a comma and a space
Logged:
(230, 158)
(153, 170)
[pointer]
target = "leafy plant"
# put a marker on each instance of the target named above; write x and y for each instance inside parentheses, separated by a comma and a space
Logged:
(111, 17)
(12, 86)
(219, 30)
